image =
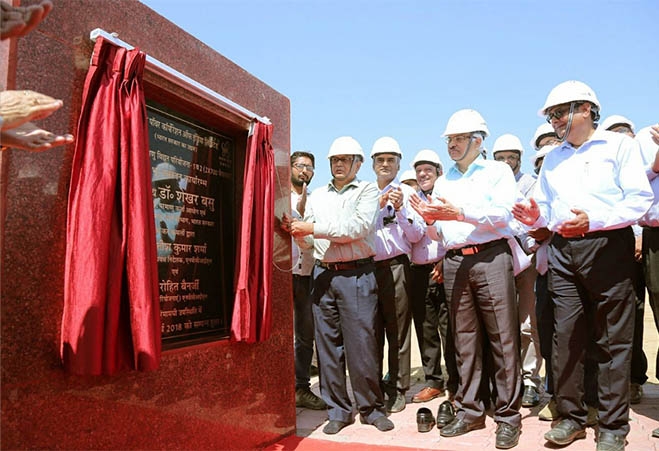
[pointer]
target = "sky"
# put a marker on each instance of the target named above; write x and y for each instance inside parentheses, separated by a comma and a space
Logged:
(368, 68)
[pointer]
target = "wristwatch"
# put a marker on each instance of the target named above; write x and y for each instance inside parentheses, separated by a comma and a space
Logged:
(461, 215)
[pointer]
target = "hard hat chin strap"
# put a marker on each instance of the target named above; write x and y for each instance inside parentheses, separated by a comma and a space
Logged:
(464, 155)
(569, 124)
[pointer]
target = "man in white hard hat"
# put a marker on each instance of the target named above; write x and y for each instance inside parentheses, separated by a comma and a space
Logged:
(408, 177)
(302, 171)
(429, 306)
(648, 137)
(472, 217)
(397, 227)
(543, 137)
(339, 223)
(591, 189)
(620, 124)
(508, 149)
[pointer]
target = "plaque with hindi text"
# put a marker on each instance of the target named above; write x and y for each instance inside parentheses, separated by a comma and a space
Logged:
(193, 197)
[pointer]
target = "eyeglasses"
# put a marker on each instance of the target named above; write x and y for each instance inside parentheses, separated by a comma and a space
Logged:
(302, 167)
(457, 139)
(342, 160)
(507, 158)
(559, 113)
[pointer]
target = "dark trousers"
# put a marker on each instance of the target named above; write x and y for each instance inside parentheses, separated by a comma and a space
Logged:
(345, 308)
(303, 328)
(639, 360)
(544, 312)
(393, 279)
(480, 289)
(591, 284)
(651, 272)
(431, 323)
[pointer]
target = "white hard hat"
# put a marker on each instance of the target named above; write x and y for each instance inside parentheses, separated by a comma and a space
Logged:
(426, 156)
(345, 145)
(567, 92)
(386, 144)
(543, 151)
(408, 175)
(507, 142)
(616, 119)
(543, 130)
(466, 121)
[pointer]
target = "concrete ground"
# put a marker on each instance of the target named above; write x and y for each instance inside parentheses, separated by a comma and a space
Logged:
(644, 418)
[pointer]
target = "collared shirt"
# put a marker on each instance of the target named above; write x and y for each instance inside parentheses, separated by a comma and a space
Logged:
(525, 183)
(344, 221)
(648, 152)
(486, 193)
(395, 231)
(426, 250)
(302, 258)
(603, 177)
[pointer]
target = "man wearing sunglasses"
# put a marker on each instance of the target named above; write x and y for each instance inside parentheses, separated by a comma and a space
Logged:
(590, 191)
(470, 208)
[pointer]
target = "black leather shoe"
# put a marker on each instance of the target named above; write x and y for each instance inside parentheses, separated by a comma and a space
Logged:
(530, 397)
(608, 441)
(395, 403)
(507, 436)
(334, 426)
(445, 414)
(565, 433)
(460, 427)
(424, 420)
(383, 424)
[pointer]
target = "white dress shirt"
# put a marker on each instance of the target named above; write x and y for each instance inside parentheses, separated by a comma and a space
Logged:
(603, 177)
(649, 152)
(302, 258)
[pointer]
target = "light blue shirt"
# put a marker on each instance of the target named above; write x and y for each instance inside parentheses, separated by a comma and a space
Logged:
(397, 230)
(486, 193)
(604, 177)
(344, 221)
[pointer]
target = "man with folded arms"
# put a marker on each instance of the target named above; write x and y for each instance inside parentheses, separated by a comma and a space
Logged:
(470, 208)
(339, 223)
(590, 191)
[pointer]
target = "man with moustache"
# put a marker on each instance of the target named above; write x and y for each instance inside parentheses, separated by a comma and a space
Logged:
(429, 307)
(302, 171)
(397, 227)
(339, 223)
(590, 191)
(471, 212)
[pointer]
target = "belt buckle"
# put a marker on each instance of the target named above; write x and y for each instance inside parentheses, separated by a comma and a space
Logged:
(471, 250)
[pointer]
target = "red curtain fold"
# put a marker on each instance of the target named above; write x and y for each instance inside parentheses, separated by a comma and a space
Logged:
(252, 309)
(111, 317)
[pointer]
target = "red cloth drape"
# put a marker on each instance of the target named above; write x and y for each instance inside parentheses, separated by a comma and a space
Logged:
(111, 317)
(252, 309)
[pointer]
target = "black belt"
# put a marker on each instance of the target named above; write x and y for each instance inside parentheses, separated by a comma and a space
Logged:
(345, 266)
(423, 266)
(598, 233)
(401, 259)
(475, 249)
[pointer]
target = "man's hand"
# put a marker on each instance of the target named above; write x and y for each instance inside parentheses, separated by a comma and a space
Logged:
(434, 210)
(301, 228)
(540, 235)
(638, 248)
(437, 273)
(575, 227)
(526, 213)
(396, 198)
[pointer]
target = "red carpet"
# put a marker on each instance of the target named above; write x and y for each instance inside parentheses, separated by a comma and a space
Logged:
(293, 442)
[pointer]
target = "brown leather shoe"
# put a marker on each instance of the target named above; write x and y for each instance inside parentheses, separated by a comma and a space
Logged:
(428, 394)
(564, 433)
